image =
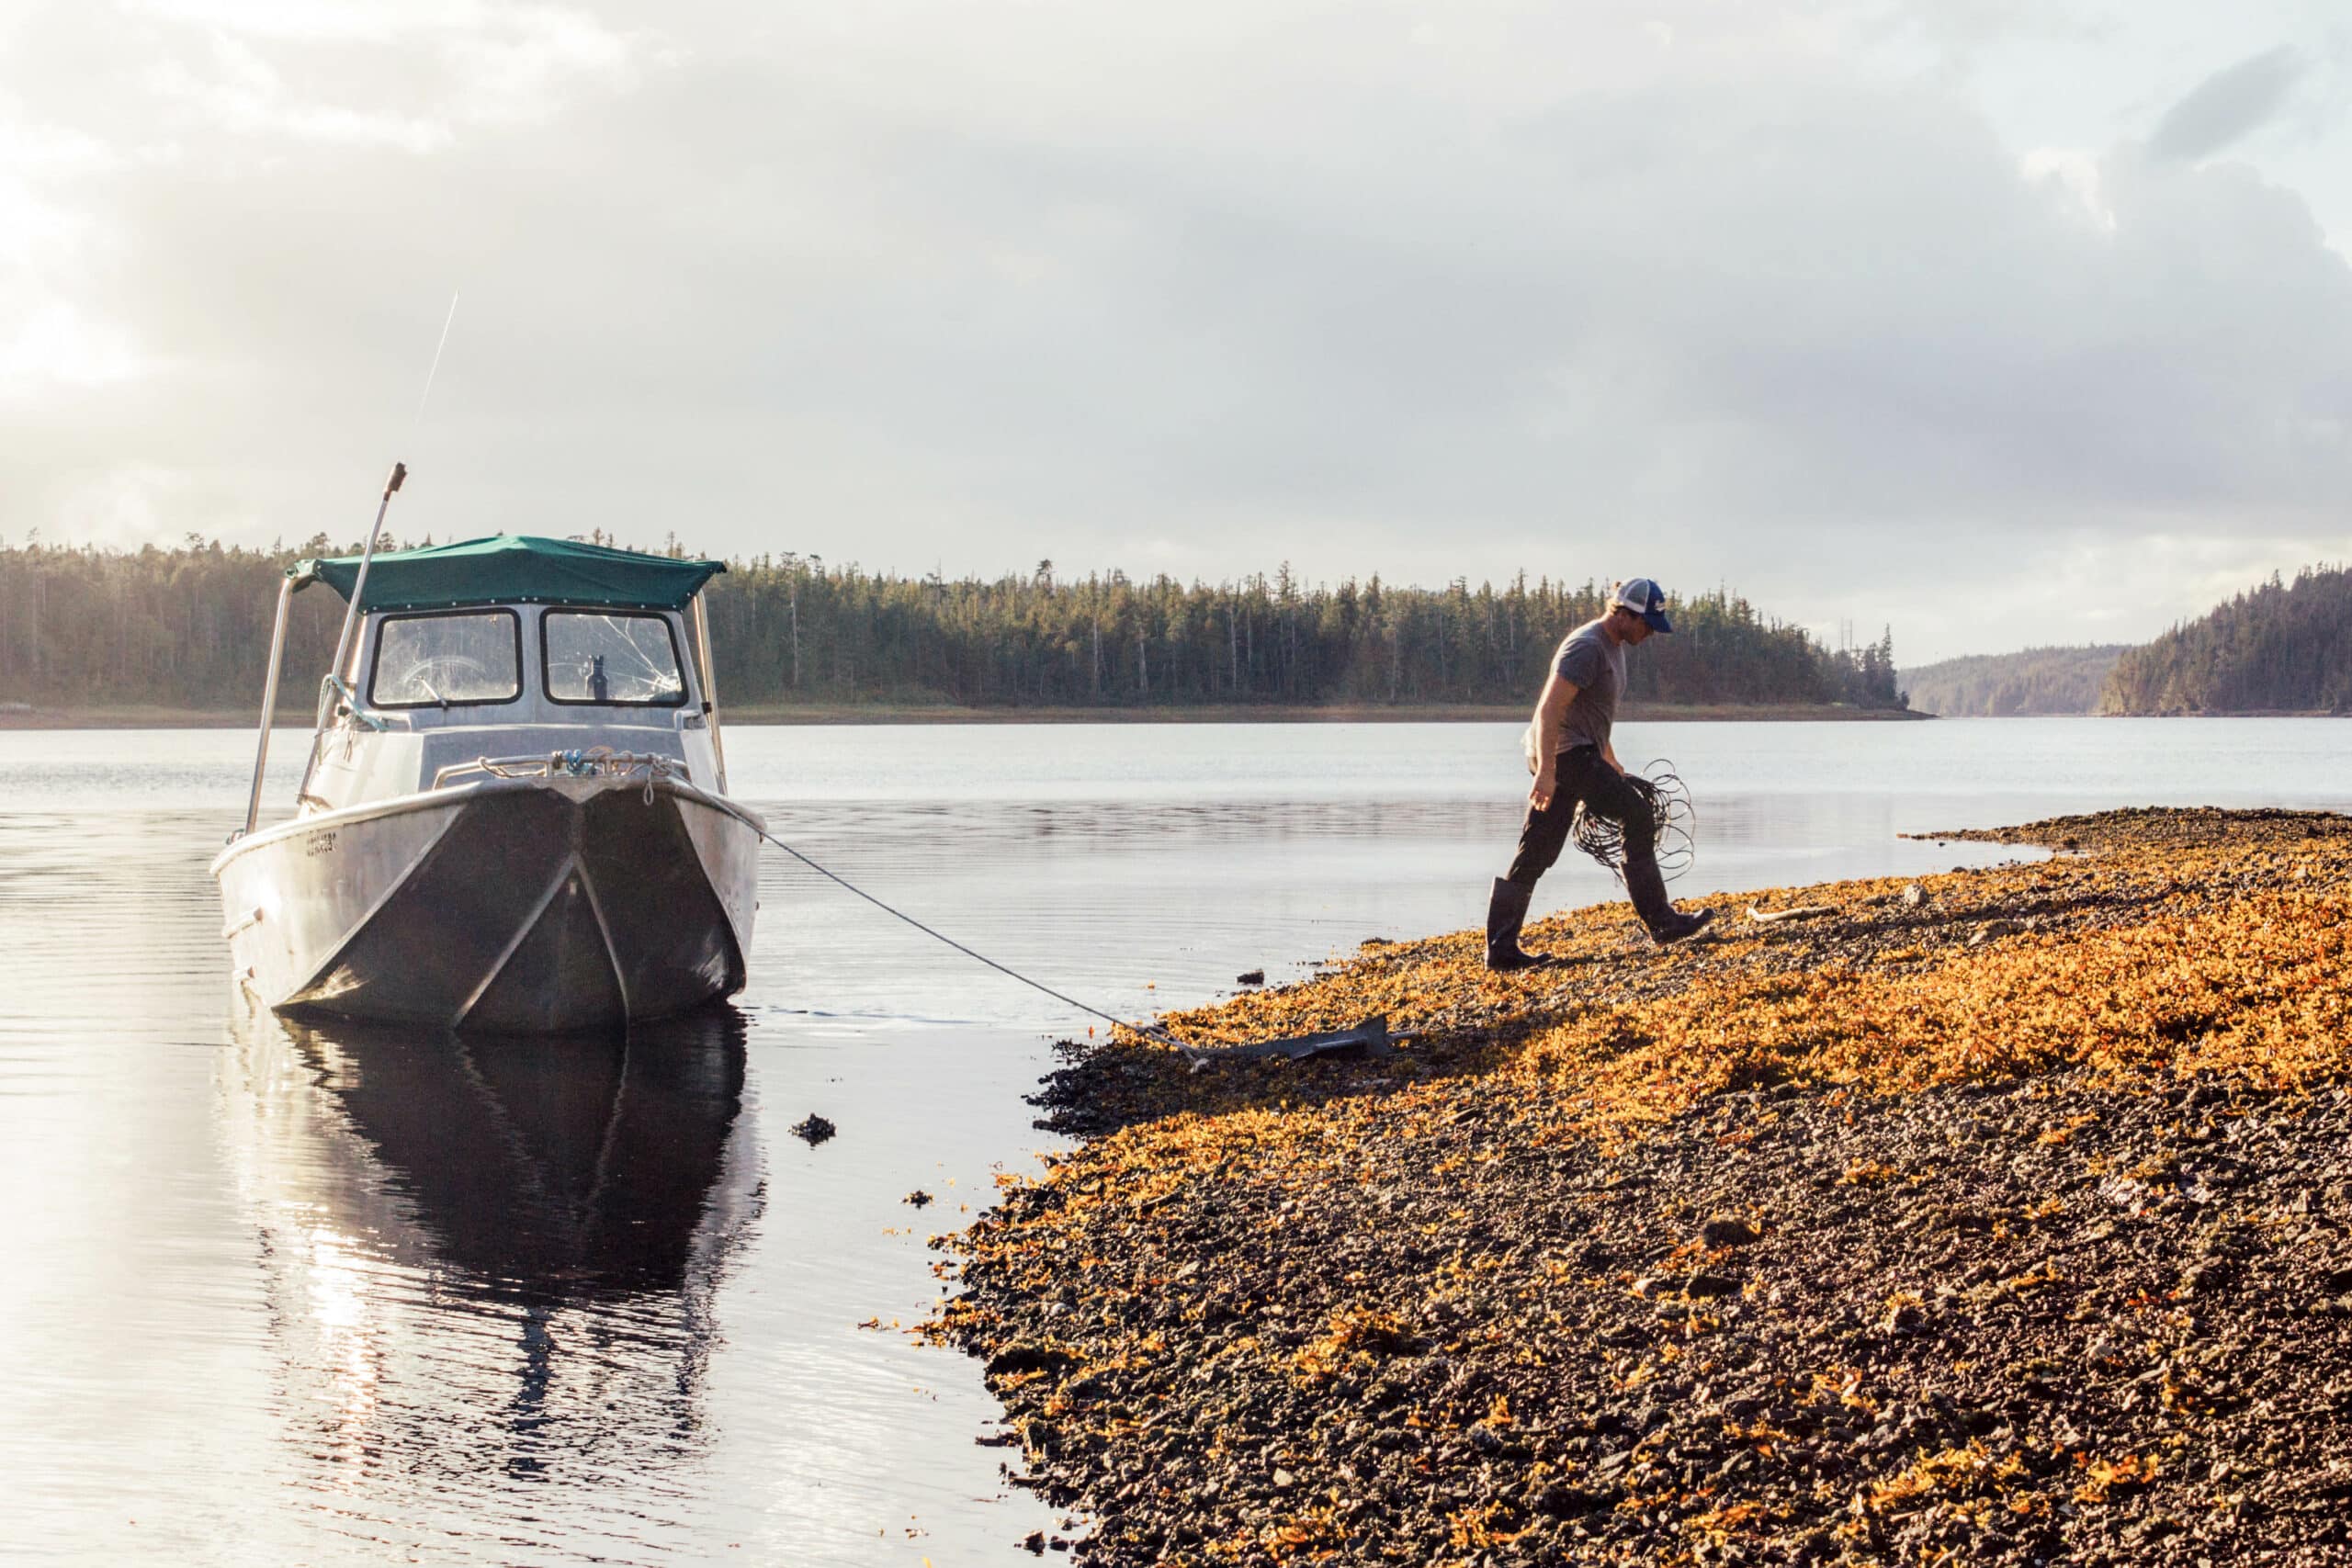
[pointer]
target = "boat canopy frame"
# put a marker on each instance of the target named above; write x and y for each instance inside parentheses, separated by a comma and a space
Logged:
(502, 568)
(508, 569)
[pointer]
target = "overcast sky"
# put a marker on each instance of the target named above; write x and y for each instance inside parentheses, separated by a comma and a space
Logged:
(2004, 322)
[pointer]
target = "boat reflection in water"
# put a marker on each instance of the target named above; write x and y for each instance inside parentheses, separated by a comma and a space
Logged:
(491, 1267)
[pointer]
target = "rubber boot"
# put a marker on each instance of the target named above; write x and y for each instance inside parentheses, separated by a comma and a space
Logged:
(1647, 890)
(1645, 885)
(1684, 926)
(1506, 912)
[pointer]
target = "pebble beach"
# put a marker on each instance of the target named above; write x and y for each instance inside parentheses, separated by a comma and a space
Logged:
(2003, 1216)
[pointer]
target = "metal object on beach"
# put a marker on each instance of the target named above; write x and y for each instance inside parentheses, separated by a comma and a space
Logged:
(1371, 1037)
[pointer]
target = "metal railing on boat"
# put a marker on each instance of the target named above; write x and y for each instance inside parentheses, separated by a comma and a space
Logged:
(594, 763)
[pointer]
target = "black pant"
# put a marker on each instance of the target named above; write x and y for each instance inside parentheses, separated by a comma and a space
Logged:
(1583, 776)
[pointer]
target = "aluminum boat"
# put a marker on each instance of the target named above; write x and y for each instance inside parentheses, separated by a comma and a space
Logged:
(513, 816)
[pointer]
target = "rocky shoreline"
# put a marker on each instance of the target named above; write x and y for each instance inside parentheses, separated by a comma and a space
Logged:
(2002, 1217)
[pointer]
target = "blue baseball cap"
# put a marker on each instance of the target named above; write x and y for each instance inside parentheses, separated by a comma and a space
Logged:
(1646, 599)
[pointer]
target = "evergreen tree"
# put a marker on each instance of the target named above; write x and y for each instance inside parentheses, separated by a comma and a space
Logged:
(2282, 648)
(2000, 685)
(190, 628)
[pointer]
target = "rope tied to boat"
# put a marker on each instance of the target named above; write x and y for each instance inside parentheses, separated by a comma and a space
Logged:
(1149, 1031)
(340, 713)
(603, 761)
(580, 762)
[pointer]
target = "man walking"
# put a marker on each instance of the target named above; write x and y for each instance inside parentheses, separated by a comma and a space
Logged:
(1568, 749)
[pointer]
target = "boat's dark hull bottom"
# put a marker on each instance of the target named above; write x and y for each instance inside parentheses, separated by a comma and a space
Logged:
(535, 910)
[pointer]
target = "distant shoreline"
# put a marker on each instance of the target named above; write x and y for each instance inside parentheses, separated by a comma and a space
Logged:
(2221, 713)
(764, 714)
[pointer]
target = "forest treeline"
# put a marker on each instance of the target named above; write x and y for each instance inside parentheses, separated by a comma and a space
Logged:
(2036, 681)
(190, 628)
(2282, 648)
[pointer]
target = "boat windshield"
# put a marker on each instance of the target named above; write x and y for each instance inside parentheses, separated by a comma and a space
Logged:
(611, 658)
(446, 660)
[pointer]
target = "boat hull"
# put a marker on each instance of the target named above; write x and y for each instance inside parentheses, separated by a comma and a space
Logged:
(515, 906)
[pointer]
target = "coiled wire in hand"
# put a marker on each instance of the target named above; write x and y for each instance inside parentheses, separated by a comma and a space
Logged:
(1675, 820)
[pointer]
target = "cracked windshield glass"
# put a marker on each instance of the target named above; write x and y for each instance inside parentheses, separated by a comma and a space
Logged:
(428, 659)
(611, 658)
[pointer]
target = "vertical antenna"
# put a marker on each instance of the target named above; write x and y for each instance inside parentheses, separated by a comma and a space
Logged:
(435, 369)
(332, 686)
(391, 487)
(366, 560)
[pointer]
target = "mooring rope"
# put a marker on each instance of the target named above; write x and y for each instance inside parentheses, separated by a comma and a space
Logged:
(1151, 1031)
(1600, 837)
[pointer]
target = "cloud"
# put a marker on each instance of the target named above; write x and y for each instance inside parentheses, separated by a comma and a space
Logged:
(239, 92)
(411, 78)
(1427, 293)
(2075, 172)
(2227, 104)
(53, 345)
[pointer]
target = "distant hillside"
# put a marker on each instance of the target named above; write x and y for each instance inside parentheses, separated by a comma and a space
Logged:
(2284, 648)
(1998, 685)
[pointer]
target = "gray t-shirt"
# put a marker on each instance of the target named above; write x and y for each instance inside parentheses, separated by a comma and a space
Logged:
(1595, 665)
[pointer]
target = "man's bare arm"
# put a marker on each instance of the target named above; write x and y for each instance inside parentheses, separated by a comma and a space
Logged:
(1608, 754)
(1551, 718)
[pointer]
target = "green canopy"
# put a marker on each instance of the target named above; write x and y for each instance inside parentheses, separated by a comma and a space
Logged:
(510, 568)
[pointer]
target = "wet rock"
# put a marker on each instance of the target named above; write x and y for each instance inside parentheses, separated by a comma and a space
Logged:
(1562, 1501)
(1729, 1230)
(1251, 977)
(919, 1198)
(1029, 1356)
(812, 1129)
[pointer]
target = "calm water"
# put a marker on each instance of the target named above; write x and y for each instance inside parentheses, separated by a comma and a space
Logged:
(320, 1296)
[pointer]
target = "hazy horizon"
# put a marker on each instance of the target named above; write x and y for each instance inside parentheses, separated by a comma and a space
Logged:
(2002, 327)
